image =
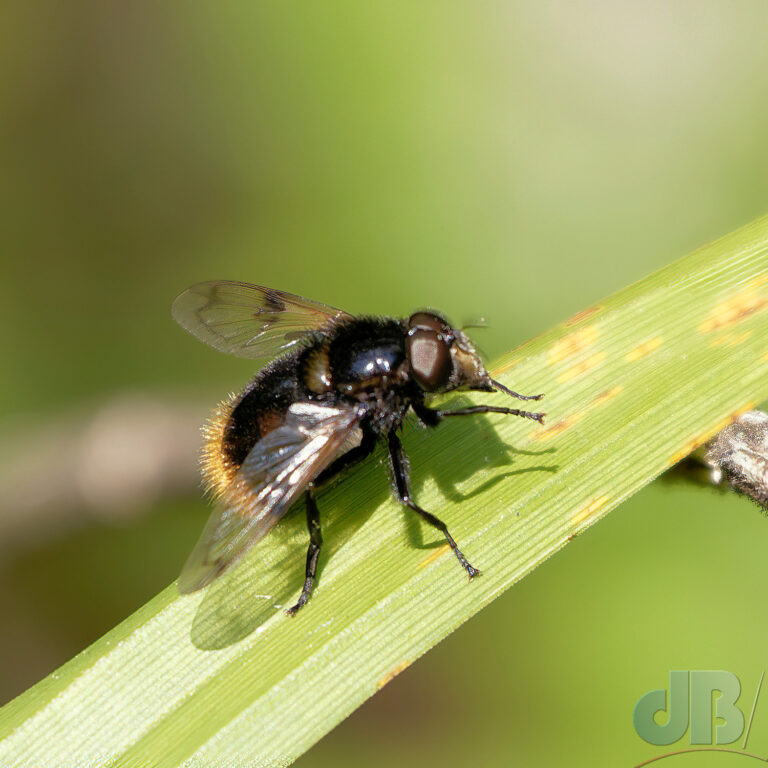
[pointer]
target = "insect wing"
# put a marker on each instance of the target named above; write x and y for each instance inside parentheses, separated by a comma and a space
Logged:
(274, 474)
(249, 320)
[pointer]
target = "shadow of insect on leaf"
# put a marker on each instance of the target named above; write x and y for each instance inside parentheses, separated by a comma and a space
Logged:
(259, 589)
(461, 452)
(255, 591)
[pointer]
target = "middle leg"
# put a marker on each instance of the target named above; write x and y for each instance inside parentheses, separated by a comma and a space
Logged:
(401, 473)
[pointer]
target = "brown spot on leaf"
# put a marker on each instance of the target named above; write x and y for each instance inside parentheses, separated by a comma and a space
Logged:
(581, 368)
(703, 437)
(439, 552)
(572, 344)
(644, 349)
(731, 339)
(558, 428)
(496, 372)
(588, 511)
(738, 307)
(392, 674)
(583, 315)
(606, 395)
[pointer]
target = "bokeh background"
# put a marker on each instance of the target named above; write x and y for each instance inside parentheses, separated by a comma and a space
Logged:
(515, 161)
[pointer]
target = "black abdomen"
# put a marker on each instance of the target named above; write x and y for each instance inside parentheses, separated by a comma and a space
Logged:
(262, 408)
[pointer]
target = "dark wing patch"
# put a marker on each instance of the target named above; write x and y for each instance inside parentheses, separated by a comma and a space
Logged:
(249, 320)
(274, 474)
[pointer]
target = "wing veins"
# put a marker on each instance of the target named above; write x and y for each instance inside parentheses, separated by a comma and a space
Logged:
(249, 320)
(274, 474)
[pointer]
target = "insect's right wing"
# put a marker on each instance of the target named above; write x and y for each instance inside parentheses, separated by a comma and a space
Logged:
(273, 475)
(249, 320)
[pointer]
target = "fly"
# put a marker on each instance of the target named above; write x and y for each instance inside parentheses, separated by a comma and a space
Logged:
(335, 386)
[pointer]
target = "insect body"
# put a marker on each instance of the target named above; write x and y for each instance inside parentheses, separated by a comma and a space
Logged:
(341, 384)
(739, 455)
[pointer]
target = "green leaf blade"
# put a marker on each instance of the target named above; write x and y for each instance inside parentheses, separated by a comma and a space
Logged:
(224, 678)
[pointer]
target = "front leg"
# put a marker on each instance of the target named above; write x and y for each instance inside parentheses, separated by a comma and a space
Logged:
(432, 416)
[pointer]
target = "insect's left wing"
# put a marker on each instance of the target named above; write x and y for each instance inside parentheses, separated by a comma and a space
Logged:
(249, 320)
(273, 475)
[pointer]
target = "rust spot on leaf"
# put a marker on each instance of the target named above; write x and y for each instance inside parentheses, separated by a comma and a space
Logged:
(504, 368)
(731, 339)
(583, 315)
(587, 512)
(644, 349)
(572, 344)
(558, 428)
(606, 395)
(392, 674)
(581, 368)
(439, 552)
(687, 449)
(738, 307)
(699, 440)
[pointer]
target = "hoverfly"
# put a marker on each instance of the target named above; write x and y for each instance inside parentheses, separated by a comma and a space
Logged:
(335, 386)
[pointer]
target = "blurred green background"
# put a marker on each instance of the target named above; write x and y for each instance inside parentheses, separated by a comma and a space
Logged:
(515, 161)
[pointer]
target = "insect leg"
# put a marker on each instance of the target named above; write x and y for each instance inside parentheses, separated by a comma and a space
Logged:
(493, 409)
(501, 387)
(401, 472)
(313, 552)
(427, 416)
(432, 417)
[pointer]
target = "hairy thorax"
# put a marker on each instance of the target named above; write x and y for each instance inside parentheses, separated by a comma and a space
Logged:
(362, 363)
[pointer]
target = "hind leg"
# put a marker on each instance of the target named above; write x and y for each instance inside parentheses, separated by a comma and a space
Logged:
(313, 552)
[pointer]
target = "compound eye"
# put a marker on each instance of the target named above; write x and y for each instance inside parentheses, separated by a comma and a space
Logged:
(430, 359)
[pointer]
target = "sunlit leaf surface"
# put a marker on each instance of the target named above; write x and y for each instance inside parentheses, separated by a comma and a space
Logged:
(224, 678)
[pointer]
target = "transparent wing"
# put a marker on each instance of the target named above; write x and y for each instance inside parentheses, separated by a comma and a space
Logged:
(272, 477)
(249, 320)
